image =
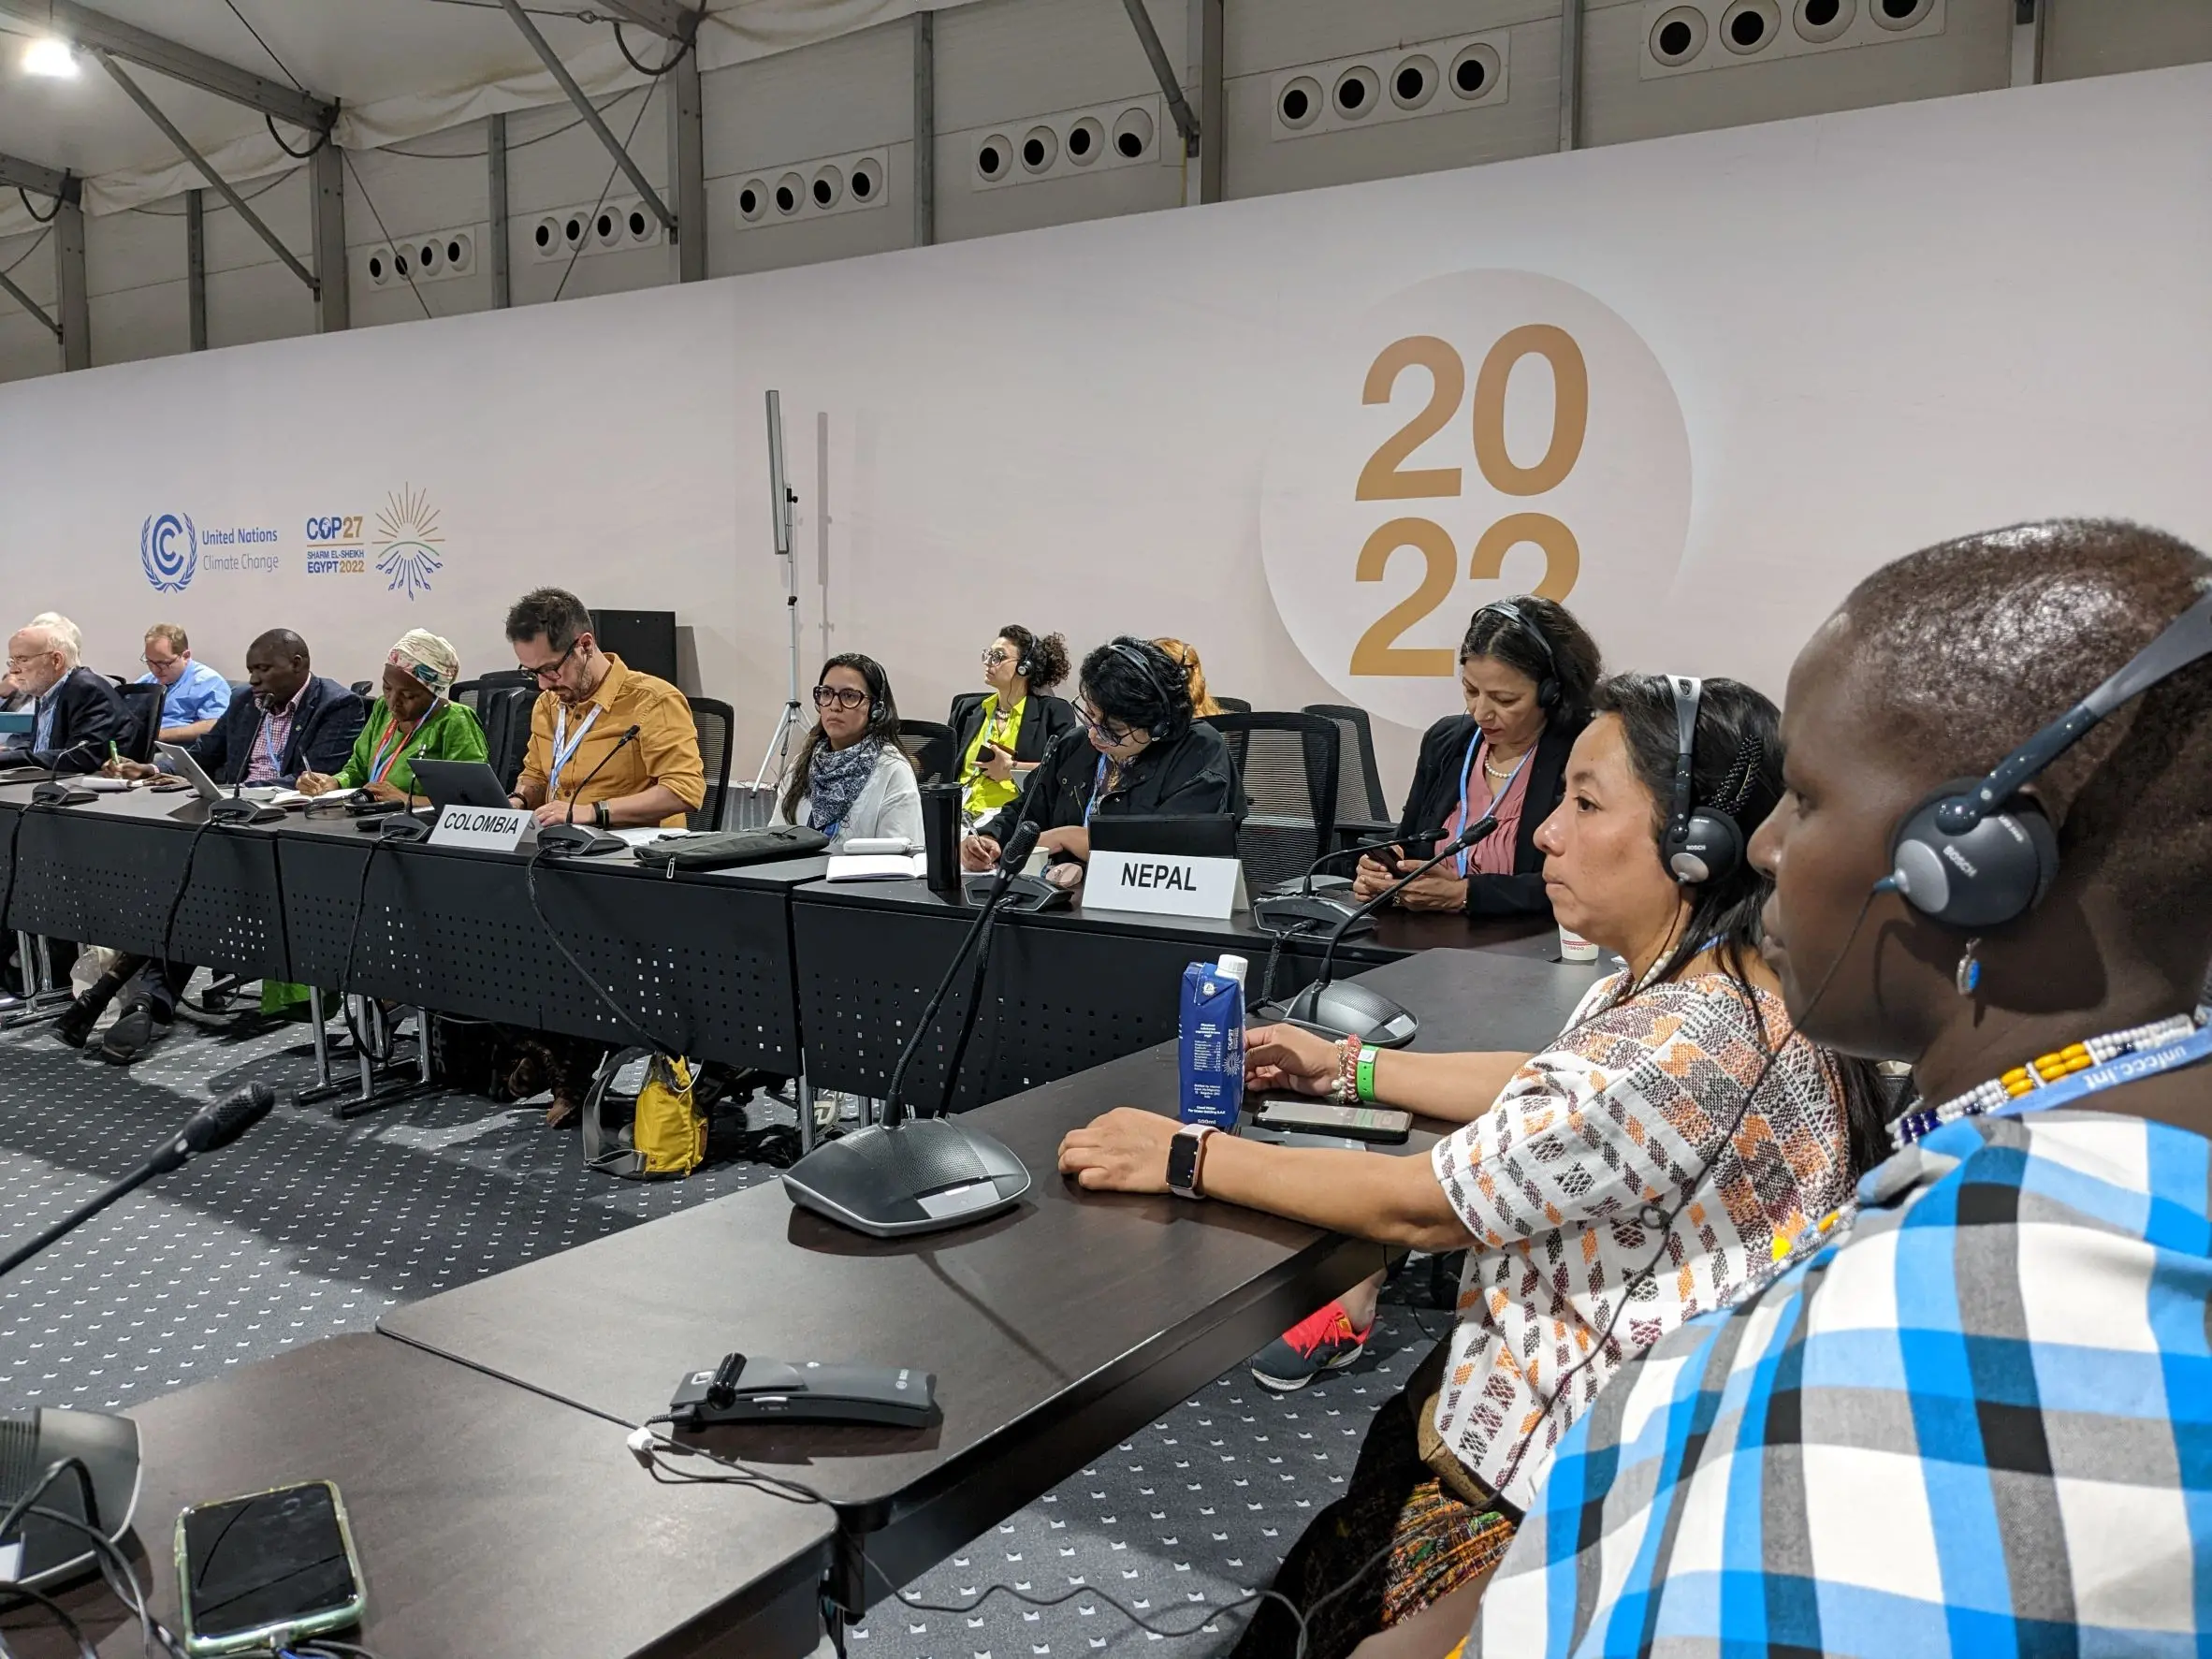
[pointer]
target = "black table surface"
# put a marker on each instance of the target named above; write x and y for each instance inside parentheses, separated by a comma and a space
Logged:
(490, 1522)
(1397, 933)
(1052, 1331)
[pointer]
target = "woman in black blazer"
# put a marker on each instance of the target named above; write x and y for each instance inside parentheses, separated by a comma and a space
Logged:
(1526, 669)
(1000, 734)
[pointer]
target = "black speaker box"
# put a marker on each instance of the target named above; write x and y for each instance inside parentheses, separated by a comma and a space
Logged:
(646, 640)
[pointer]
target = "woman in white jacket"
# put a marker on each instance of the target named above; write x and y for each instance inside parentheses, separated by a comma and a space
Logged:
(852, 781)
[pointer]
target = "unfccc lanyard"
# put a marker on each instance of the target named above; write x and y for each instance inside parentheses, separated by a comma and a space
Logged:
(1097, 784)
(1467, 771)
(564, 748)
(378, 764)
(2128, 1068)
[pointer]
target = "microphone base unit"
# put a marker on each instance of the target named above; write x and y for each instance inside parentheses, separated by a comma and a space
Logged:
(238, 809)
(407, 826)
(59, 795)
(1309, 912)
(1025, 894)
(921, 1175)
(754, 1390)
(1345, 1008)
(578, 840)
(32, 1442)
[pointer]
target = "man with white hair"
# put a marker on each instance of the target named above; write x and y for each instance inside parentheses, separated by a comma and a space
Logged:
(78, 713)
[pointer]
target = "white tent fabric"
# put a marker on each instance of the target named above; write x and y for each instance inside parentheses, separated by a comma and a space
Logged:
(733, 31)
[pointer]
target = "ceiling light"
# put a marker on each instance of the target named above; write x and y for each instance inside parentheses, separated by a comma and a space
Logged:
(48, 55)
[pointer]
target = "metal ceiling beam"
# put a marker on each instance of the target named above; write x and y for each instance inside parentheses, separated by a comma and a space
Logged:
(495, 161)
(1570, 75)
(40, 181)
(1213, 98)
(29, 304)
(95, 32)
(221, 185)
(325, 183)
(665, 18)
(924, 27)
(687, 167)
(195, 269)
(567, 84)
(1170, 86)
(72, 297)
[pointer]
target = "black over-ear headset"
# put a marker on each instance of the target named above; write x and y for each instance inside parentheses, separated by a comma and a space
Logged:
(1163, 727)
(1548, 688)
(1982, 854)
(1701, 843)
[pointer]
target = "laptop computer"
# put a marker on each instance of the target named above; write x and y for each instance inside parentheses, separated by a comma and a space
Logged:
(460, 783)
(181, 761)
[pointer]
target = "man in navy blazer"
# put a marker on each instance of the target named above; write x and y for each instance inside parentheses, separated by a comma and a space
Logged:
(294, 722)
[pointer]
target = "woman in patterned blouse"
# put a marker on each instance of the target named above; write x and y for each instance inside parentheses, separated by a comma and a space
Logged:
(1575, 1169)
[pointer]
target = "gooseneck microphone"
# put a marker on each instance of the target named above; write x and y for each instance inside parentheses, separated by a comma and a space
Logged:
(209, 1130)
(920, 1174)
(1336, 1011)
(571, 837)
(53, 791)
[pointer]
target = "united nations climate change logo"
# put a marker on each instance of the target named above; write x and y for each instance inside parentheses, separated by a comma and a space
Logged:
(168, 549)
(407, 541)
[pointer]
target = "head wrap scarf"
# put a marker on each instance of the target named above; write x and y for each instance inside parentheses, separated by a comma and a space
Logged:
(429, 660)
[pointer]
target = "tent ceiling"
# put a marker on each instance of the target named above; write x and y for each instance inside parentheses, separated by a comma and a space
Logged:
(399, 68)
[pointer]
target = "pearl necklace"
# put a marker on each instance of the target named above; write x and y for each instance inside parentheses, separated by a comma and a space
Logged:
(2040, 1073)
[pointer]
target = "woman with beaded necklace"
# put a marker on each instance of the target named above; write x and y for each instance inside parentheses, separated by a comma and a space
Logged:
(1970, 1415)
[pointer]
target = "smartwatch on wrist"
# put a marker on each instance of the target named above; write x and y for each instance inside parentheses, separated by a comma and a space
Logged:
(1187, 1157)
(600, 815)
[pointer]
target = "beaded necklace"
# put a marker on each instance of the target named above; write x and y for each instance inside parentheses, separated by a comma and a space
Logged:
(2067, 1074)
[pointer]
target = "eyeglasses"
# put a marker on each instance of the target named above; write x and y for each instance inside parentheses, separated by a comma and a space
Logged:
(551, 670)
(159, 662)
(994, 657)
(843, 697)
(16, 661)
(1093, 722)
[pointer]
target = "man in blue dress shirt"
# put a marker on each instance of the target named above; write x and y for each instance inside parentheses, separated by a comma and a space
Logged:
(194, 695)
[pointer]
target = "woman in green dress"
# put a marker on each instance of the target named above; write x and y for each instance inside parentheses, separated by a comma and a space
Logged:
(416, 718)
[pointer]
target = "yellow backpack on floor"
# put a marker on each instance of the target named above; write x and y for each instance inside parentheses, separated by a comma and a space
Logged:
(666, 1133)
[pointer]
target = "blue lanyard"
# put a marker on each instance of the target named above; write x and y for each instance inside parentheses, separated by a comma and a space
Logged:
(1098, 783)
(564, 749)
(1467, 771)
(2132, 1068)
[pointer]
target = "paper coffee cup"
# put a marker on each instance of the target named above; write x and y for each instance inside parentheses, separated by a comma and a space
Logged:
(1573, 947)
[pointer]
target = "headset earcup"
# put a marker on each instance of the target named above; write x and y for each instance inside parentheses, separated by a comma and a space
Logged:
(1711, 850)
(1547, 693)
(1994, 873)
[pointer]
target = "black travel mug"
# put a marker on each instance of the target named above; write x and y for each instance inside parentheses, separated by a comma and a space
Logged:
(941, 835)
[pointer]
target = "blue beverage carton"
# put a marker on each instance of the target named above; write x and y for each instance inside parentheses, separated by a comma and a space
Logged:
(1209, 1049)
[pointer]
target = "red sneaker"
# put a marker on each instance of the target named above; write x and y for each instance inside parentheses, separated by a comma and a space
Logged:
(1322, 1341)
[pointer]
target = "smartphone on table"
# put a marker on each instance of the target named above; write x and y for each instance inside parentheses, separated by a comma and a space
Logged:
(1380, 1124)
(266, 1570)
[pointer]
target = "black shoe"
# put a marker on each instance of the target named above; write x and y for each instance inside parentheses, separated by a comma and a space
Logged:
(127, 1039)
(75, 1025)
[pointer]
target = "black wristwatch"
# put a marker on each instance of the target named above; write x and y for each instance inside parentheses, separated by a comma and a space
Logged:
(600, 815)
(1187, 1157)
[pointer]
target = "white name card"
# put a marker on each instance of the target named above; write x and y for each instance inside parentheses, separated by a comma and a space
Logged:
(1163, 885)
(489, 829)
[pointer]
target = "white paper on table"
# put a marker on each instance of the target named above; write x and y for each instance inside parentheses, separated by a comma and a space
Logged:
(877, 867)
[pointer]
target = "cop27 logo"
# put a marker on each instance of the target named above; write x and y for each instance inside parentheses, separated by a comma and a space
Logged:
(407, 541)
(168, 549)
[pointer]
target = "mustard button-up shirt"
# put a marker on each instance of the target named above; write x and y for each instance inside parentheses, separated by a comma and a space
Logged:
(666, 751)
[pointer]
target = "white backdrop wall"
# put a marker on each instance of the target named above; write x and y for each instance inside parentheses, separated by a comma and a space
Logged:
(1879, 328)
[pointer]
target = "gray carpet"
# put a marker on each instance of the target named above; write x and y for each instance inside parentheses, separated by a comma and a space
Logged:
(313, 1228)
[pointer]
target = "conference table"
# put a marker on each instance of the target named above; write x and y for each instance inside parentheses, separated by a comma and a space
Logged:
(767, 966)
(1053, 1330)
(490, 1522)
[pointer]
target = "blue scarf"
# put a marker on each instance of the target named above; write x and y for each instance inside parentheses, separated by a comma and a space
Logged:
(834, 778)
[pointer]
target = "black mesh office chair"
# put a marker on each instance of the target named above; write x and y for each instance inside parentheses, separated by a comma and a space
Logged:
(1233, 705)
(141, 722)
(1289, 765)
(931, 744)
(1362, 810)
(501, 703)
(714, 722)
(363, 688)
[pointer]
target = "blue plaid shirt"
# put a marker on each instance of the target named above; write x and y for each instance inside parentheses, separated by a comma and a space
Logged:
(1981, 1423)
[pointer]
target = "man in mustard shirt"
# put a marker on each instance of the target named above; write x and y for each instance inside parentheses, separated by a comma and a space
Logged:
(586, 700)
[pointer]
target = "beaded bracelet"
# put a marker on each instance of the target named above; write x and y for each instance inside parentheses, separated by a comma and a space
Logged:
(1363, 1076)
(1347, 1070)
